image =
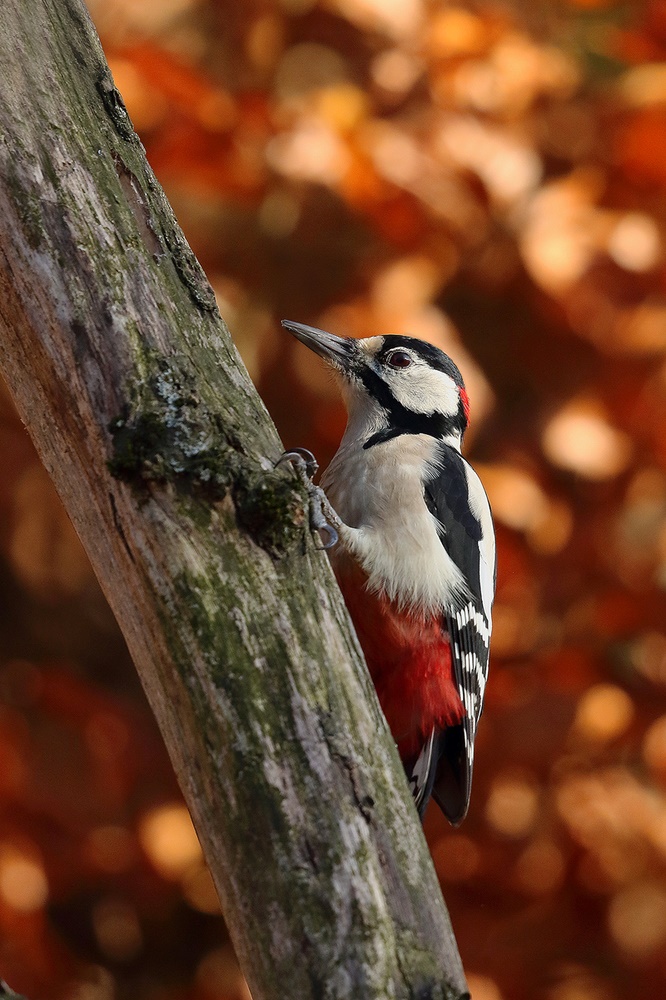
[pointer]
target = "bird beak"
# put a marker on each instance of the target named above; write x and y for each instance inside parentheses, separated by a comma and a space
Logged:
(336, 350)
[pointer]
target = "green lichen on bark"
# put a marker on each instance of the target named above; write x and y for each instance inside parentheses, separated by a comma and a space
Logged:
(183, 259)
(166, 433)
(256, 694)
(272, 508)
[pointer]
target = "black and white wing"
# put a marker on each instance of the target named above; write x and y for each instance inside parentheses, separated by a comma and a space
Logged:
(455, 497)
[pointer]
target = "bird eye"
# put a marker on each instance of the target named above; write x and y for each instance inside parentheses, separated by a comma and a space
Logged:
(399, 359)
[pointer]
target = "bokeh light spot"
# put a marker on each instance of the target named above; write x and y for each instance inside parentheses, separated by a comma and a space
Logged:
(654, 746)
(455, 31)
(512, 805)
(580, 439)
(644, 85)
(562, 231)
(199, 890)
(604, 712)
(117, 929)
(637, 918)
(483, 987)
(578, 983)
(169, 839)
(540, 868)
(313, 152)
(634, 243)
(396, 18)
(395, 71)
(23, 884)
(219, 975)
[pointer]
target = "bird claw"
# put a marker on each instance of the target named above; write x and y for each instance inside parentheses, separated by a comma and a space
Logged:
(302, 460)
(319, 508)
(305, 464)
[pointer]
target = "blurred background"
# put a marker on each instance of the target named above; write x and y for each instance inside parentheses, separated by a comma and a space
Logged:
(491, 177)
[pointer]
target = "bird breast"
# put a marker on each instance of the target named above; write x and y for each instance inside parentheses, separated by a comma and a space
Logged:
(387, 527)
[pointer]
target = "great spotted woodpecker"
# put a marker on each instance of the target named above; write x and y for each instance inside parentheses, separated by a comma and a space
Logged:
(416, 554)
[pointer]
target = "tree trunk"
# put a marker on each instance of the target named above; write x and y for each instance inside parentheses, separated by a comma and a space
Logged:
(123, 371)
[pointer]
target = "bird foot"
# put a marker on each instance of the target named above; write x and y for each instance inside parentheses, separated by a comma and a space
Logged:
(321, 512)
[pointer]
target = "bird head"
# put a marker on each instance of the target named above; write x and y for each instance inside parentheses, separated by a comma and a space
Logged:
(393, 385)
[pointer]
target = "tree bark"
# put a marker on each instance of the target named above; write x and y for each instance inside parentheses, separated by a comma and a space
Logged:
(124, 373)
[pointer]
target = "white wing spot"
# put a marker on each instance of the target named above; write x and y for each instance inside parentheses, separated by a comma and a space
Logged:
(419, 776)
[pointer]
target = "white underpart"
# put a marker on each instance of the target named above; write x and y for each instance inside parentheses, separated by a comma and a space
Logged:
(378, 494)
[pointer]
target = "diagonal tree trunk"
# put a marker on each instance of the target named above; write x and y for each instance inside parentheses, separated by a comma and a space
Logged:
(126, 378)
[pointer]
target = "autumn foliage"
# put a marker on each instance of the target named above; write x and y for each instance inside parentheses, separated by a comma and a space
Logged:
(490, 177)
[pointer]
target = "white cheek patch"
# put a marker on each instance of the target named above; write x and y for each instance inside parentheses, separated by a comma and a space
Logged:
(422, 389)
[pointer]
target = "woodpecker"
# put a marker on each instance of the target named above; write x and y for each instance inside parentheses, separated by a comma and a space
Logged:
(416, 554)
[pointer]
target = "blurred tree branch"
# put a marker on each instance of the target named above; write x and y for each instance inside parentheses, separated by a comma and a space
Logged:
(123, 371)
(8, 992)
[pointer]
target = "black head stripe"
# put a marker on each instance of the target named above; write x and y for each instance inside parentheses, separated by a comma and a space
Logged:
(384, 435)
(400, 419)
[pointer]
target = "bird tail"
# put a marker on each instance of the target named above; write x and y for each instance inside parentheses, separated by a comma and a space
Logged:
(441, 770)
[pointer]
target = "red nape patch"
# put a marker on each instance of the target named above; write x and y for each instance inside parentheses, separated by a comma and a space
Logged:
(409, 658)
(465, 402)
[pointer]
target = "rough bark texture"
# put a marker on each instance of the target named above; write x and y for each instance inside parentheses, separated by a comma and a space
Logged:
(124, 373)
